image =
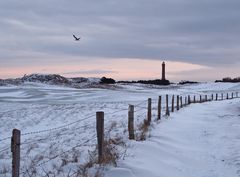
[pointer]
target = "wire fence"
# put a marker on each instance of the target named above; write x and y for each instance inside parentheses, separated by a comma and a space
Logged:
(143, 113)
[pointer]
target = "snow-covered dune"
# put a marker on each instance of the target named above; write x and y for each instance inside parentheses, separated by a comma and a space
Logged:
(51, 80)
(58, 122)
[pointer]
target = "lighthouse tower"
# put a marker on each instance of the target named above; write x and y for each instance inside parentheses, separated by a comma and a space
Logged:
(163, 71)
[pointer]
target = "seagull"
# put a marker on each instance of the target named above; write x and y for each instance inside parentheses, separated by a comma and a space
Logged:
(76, 38)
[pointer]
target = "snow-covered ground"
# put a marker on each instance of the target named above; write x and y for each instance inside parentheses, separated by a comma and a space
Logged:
(201, 140)
(58, 129)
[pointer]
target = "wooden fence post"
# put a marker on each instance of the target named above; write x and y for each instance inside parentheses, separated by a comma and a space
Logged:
(189, 99)
(131, 122)
(212, 97)
(185, 101)
(177, 102)
(172, 103)
(194, 99)
(100, 135)
(232, 95)
(167, 108)
(159, 107)
(216, 96)
(227, 96)
(200, 98)
(181, 102)
(206, 97)
(237, 94)
(15, 149)
(222, 96)
(149, 113)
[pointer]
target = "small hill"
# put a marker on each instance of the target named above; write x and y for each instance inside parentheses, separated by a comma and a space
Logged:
(56, 79)
(229, 79)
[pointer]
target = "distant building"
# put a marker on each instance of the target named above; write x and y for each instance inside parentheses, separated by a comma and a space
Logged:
(163, 71)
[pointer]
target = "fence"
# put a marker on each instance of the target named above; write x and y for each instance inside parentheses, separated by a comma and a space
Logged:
(162, 111)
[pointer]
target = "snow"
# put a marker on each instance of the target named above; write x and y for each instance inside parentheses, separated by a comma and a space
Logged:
(199, 140)
(120, 172)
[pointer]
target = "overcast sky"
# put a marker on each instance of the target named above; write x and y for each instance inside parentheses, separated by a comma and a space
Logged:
(38, 33)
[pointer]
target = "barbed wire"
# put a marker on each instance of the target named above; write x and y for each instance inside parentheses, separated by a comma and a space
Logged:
(9, 158)
(56, 137)
(142, 115)
(72, 140)
(51, 129)
(137, 110)
(56, 128)
(141, 107)
(120, 110)
(62, 126)
(66, 125)
(123, 109)
(3, 150)
(6, 138)
(140, 103)
(104, 107)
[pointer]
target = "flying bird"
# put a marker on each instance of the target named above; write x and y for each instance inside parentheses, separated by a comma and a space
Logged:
(76, 38)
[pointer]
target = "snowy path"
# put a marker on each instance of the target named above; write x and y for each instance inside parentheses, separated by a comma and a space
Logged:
(201, 140)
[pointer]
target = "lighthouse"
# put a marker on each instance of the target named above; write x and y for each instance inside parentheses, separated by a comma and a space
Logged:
(163, 71)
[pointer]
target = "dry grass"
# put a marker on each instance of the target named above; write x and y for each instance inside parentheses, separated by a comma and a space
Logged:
(142, 131)
(111, 153)
(3, 171)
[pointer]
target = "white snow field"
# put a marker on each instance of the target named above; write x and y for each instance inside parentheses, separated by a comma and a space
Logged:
(201, 140)
(58, 131)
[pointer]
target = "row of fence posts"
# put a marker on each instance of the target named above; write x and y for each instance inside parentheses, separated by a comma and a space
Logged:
(16, 134)
(131, 134)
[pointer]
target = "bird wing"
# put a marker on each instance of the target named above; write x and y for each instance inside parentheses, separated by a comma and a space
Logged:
(75, 37)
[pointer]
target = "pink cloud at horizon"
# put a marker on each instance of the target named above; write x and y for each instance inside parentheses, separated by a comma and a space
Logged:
(119, 69)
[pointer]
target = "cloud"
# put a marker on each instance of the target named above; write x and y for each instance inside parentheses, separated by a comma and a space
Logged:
(88, 72)
(200, 32)
(205, 74)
